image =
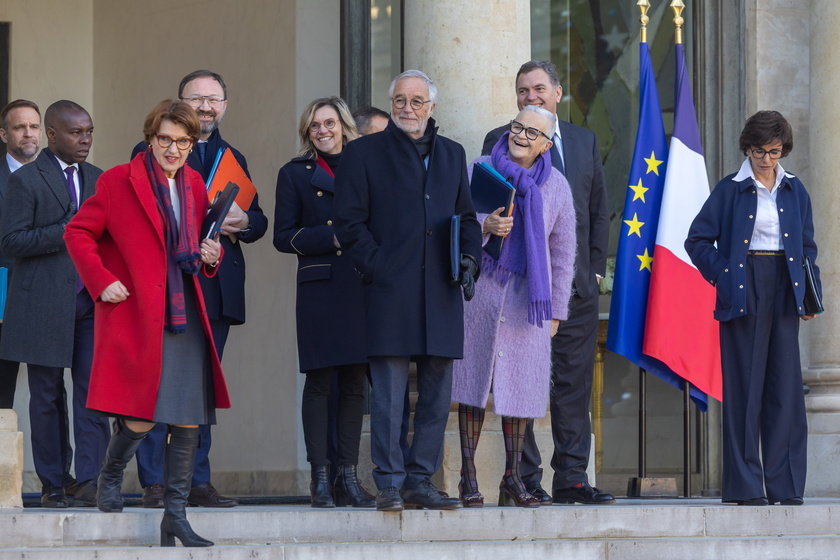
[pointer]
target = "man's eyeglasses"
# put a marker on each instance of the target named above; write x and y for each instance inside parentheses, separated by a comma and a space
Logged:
(531, 133)
(416, 104)
(759, 153)
(197, 101)
(329, 124)
(180, 143)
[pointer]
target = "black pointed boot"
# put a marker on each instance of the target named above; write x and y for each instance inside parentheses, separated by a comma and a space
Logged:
(179, 460)
(121, 448)
(348, 491)
(319, 488)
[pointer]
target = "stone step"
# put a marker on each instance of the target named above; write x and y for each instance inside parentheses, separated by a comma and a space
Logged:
(631, 529)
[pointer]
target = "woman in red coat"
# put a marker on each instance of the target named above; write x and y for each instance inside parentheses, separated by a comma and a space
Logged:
(136, 246)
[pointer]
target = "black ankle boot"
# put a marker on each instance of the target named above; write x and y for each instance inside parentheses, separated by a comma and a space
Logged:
(121, 449)
(319, 488)
(348, 491)
(179, 460)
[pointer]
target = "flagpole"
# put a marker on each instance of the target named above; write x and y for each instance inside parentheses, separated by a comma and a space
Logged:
(678, 6)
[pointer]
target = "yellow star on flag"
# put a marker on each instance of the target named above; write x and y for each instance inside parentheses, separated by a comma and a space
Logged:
(646, 260)
(639, 190)
(653, 163)
(635, 226)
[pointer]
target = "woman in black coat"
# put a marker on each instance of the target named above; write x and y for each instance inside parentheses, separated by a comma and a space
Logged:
(330, 300)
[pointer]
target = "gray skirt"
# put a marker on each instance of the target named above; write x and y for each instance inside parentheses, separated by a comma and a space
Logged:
(185, 395)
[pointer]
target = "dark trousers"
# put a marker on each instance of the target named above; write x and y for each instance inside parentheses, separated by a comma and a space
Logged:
(151, 450)
(51, 451)
(349, 410)
(8, 380)
(434, 387)
(572, 366)
(763, 402)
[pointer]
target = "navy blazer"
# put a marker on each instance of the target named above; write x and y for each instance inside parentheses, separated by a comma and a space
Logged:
(394, 218)
(5, 261)
(224, 293)
(330, 294)
(719, 239)
(585, 174)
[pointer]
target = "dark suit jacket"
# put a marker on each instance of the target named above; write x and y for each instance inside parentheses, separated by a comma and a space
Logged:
(394, 217)
(330, 294)
(224, 294)
(40, 313)
(585, 174)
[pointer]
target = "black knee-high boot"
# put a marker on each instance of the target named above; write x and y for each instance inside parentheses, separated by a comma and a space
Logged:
(179, 460)
(121, 449)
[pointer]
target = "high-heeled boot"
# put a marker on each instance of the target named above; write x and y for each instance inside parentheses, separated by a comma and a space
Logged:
(348, 491)
(121, 448)
(178, 462)
(319, 487)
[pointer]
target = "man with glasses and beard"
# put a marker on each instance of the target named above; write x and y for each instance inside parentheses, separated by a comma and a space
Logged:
(224, 293)
(394, 201)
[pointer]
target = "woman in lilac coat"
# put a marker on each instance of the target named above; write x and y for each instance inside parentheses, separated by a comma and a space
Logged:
(518, 305)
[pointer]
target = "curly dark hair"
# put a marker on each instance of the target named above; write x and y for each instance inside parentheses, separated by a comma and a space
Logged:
(766, 127)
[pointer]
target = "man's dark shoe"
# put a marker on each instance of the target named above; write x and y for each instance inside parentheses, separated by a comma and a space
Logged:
(205, 495)
(762, 501)
(539, 493)
(153, 496)
(85, 495)
(792, 502)
(389, 499)
(426, 496)
(53, 497)
(583, 494)
(70, 485)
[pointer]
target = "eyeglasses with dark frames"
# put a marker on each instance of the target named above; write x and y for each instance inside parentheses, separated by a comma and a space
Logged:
(416, 104)
(182, 144)
(759, 153)
(531, 133)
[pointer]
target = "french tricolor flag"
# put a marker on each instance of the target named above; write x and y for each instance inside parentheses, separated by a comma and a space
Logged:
(680, 328)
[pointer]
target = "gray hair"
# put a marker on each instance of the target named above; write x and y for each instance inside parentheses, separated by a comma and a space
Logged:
(415, 74)
(550, 119)
(544, 65)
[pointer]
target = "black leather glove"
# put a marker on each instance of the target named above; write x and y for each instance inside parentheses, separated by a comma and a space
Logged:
(469, 272)
(71, 211)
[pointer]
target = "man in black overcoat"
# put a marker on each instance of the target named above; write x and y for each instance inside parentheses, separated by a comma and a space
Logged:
(575, 154)
(396, 193)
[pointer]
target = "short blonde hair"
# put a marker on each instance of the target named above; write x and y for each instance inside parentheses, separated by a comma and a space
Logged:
(348, 124)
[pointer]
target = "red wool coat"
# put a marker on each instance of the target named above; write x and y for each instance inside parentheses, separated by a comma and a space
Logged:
(118, 235)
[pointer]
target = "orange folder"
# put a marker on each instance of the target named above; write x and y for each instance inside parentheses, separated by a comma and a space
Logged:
(227, 170)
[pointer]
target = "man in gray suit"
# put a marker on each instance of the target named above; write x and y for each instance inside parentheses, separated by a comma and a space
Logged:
(575, 154)
(49, 316)
(20, 130)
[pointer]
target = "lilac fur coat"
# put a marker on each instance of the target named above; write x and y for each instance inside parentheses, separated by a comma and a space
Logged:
(501, 349)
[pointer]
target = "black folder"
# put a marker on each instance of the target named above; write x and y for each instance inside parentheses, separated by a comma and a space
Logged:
(813, 301)
(455, 249)
(491, 191)
(212, 224)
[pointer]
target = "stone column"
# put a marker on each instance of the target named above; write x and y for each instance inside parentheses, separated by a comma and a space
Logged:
(821, 352)
(11, 460)
(472, 50)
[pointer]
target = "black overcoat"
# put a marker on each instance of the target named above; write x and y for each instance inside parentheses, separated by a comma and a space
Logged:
(394, 217)
(41, 310)
(330, 295)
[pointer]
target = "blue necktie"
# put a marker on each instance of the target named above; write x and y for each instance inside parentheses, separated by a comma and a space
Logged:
(71, 185)
(202, 150)
(556, 158)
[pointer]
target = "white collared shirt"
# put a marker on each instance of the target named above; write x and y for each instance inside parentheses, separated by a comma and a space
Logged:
(13, 164)
(767, 235)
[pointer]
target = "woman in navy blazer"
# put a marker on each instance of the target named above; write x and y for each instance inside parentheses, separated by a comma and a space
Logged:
(750, 240)
(330, 300)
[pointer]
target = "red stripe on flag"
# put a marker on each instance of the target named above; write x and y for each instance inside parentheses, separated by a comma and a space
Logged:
(681, 330)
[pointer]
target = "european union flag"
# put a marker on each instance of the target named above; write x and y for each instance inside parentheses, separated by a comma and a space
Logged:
(640, 220)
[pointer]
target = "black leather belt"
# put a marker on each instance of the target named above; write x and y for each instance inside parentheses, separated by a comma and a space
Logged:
(767, 253)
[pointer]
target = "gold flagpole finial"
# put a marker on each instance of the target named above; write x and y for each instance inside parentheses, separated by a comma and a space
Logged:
(678, 6)
(644, 19)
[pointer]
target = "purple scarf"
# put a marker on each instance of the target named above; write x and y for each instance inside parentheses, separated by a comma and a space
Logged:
(181, 242)
(523, 253)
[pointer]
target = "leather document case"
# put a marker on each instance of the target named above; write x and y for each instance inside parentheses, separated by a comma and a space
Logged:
(813, 299)
(491, 191)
